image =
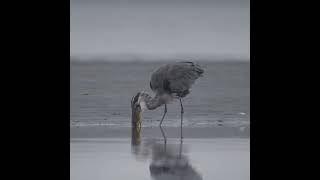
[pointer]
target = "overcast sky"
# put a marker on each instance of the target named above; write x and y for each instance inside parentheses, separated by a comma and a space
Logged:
(160, 28)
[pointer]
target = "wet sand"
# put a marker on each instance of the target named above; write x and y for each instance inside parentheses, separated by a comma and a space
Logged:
(172, 132)
(149, 156)
(111, 158)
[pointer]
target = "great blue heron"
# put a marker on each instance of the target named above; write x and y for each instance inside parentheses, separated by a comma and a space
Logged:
(169, 82)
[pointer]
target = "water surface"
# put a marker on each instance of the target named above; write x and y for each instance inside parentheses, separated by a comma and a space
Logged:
(101, 94)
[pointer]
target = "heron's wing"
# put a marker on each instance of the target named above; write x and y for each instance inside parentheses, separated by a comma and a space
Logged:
(181, 76)
(157, 79)
(175, 78)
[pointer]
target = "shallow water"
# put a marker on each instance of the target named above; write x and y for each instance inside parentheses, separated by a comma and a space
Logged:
(152, 158)
(101, 94)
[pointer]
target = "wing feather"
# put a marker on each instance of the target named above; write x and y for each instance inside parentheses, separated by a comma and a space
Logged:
(175, 78)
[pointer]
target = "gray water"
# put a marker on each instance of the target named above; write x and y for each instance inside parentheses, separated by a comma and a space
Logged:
(101, 93)
(201, 159)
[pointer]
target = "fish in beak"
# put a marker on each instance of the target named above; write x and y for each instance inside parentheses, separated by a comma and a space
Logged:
(136, 111)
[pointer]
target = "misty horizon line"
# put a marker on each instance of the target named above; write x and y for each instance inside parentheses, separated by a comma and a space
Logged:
(148, 57)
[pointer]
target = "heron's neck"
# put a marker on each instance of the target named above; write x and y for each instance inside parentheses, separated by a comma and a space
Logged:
(152, 102)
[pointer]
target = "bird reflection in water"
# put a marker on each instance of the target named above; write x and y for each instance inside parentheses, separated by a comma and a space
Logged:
(168, 162)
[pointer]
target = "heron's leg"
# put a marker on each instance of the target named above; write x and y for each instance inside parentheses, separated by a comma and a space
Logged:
(165, 111)
(180, 149)
(181, 118)
(163, 135)
(165, 139)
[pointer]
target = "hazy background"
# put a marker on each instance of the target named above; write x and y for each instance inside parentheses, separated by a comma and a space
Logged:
(217, 111)
(153, 29)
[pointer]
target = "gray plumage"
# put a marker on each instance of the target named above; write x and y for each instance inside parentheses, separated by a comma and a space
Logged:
(175, 78)
(170, 81)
